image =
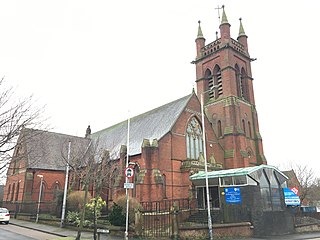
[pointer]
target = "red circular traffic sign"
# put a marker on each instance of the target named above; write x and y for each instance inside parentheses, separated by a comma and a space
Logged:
(129, 172)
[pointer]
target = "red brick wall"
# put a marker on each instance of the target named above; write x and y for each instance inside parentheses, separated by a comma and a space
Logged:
(166, 159)
(29, 185)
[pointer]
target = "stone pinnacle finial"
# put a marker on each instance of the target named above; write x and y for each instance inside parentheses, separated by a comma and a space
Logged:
(241, 29)
(200, 35)
(224, 16)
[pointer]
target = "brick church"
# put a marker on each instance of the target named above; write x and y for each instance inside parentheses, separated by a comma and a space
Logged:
(165, 144)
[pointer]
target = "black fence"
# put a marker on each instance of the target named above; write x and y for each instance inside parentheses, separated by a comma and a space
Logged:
(166, 205)
(31, 208)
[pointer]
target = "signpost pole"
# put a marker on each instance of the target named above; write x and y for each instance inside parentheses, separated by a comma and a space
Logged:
(127, 194)
(206, 169)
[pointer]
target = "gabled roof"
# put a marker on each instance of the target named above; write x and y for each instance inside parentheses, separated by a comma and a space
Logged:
(48, 150)
(150, 125)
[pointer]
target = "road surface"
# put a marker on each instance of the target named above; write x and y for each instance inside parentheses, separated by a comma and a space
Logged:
(13, 232)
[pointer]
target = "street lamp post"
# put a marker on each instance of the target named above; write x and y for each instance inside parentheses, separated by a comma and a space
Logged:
(205, 164)
(39, 199)
(126, 234)
(65, 189)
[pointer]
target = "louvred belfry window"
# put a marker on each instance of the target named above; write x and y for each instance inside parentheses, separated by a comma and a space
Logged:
(217, 82)
(194, 139)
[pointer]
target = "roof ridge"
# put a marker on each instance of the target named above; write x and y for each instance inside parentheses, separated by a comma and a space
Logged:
(51, 132)
(142, 114)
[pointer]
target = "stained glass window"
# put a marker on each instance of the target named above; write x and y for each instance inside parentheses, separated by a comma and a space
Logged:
(194, 139)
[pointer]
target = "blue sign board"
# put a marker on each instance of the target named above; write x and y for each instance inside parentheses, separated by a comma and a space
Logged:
(233, 195)
(290, 198)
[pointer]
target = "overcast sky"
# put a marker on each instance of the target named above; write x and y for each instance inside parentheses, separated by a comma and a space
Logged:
(90, 62)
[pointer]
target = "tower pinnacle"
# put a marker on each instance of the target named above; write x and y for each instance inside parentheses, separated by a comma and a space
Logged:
(241, 29)
(224, 16)
(242, 37)
(200, 35)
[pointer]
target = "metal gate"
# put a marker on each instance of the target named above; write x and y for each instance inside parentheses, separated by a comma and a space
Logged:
(157, 224)
(157, 219)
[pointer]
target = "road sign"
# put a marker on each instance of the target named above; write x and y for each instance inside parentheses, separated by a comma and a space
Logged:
(129, 172)
(128, 185)
(233, 195)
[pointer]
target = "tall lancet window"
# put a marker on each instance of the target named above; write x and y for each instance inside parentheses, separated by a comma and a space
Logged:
(209, 77)
(217, 81)
(238, 81)
(244, 83)
(194, 139)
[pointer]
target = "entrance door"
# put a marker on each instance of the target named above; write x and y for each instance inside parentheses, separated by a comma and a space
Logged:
(213, 196)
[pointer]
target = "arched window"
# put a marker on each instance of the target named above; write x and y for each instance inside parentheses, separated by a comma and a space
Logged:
(114, 175)
(56, 187)
(217, 81)
(17, 192)
(244, 84)
(12, 192)
(8, 195)
(43, 190)
(194, 141)
(238, 81)
(208, 76)
(219, 129)
(249, 127)
(136, 175)
(164, 186)
(244, 127)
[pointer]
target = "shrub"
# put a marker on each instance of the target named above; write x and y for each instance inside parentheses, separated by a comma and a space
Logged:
(74, 219)
(116, 217)
(90, 207)
(75, 200)
(133, 206)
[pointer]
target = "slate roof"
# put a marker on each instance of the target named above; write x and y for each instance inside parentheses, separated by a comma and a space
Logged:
(151, 125)
(48, 150)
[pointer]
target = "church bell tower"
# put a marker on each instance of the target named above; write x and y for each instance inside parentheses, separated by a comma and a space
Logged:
(224, 80)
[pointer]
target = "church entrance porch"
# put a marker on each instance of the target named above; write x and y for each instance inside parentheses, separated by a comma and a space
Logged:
(251, 194)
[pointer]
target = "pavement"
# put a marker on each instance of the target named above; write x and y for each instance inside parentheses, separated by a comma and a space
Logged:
(67, 232)
(55, 230)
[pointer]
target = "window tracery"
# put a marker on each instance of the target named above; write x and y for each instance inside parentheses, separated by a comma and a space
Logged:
(194, 139)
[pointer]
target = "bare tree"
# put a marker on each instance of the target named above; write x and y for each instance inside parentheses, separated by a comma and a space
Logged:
(306, 180)
(90, 166)
(314, 196)
(80, 162)
(15, 114)
(101, 181)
